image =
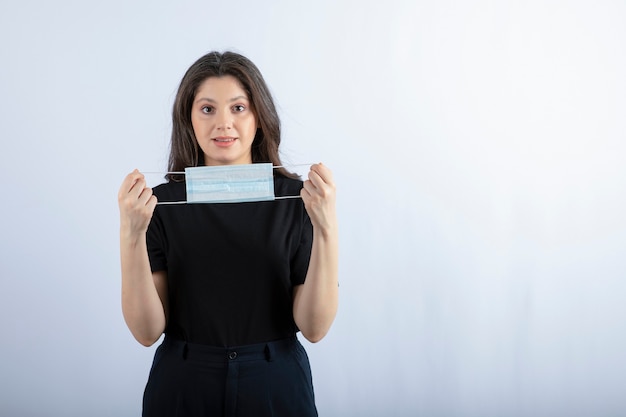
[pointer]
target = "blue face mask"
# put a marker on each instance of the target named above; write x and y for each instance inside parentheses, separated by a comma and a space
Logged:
(230, 183)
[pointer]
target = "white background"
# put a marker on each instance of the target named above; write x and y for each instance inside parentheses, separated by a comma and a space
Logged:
(478, 148)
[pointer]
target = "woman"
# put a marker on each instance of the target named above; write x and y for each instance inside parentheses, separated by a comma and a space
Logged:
(228, 284)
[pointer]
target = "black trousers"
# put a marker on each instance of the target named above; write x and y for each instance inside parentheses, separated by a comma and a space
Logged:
(267, 379)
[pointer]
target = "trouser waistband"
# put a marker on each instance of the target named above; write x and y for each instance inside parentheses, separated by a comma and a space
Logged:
(196, 351)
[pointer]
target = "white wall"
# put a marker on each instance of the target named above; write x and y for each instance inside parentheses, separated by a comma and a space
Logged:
(478, 148)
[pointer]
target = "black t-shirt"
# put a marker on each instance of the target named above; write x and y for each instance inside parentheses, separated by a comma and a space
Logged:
(231, 267)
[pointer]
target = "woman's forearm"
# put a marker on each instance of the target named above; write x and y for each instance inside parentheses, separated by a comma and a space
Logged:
(316, 301)
(142, 306)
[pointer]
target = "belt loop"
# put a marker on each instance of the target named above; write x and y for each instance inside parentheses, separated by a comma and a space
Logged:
(185, 350)
(269, 352)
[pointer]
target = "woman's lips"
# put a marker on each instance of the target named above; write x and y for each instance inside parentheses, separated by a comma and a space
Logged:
(224, 141)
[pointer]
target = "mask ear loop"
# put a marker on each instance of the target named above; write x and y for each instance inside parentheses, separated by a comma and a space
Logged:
(163, 203)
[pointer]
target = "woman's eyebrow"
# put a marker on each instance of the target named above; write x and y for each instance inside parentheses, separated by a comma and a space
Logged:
(210, 100)
(238, 98)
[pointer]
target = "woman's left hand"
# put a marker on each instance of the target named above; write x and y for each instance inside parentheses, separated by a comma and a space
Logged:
(318, 195)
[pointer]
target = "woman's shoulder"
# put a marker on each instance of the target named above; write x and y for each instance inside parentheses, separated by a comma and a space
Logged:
(288, 181)
(282, 183)
(170, 191)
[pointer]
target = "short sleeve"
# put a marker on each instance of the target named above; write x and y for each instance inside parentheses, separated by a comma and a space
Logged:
(156, 242)
(302, 255)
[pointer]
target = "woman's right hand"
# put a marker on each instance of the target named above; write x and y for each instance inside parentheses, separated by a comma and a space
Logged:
(136, 203)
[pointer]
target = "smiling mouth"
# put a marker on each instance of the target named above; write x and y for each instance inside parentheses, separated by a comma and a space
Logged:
(224, 139)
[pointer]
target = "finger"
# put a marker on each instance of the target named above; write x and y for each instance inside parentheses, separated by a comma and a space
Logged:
(307, 198)
(145, 195)
(152, 202)
(323, 171)
(314, 180)
(321, 179)
(129, 182)
(138, 187)
(309, 187)
(132, 177)
(319, 186)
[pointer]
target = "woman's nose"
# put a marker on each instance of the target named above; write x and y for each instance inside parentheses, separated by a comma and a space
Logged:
(225, 121)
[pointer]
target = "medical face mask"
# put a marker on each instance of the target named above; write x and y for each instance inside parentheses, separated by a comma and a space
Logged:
(230, 183)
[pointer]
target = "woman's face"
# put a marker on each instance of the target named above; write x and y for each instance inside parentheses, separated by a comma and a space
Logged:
(223, 121)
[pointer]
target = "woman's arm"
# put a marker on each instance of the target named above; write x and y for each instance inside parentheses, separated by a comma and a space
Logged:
(144, 294)
(315, 301)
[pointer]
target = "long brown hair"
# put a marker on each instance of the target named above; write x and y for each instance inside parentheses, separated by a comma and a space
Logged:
(184, 148)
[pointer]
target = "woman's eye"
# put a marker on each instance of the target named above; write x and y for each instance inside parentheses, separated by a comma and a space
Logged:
(238, 108)
(207, 109)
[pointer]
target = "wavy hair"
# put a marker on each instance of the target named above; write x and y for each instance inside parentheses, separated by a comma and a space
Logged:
(184, 149)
